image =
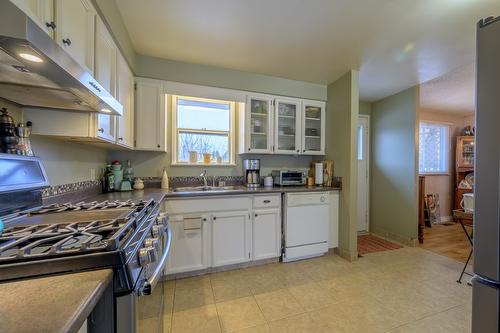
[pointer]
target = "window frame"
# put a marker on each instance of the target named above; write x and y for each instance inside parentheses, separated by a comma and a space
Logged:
(176, 131)
(449, 160)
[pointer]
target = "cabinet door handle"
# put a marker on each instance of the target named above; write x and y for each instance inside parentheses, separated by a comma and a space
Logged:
(267, 201)
(100, 130)
(51, 25)
(121, 139)
(298, 150)
(158, 146)
(249, 149)
(214, 218)
(256, 215)
(204, 219)
(67, 41)
(304, 151)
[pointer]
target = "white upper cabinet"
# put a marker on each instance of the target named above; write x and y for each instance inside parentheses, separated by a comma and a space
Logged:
(279, 125)
(75, 21)
(313, 127)
(287, 122)
(40, 11)
(150, 115)
(125, 95)
(259, 119)
(105, 73)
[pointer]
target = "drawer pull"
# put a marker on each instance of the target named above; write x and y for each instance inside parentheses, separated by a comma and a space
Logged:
(267, 201)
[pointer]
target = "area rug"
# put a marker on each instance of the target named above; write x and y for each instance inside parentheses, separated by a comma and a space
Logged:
(371, 244)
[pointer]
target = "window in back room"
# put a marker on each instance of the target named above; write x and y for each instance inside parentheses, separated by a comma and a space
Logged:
(203, 131)
(434, 152)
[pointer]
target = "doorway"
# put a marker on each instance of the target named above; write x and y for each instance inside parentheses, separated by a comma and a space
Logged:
(363, 157)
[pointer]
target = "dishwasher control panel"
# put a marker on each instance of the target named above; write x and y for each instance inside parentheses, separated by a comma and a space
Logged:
(306, 199)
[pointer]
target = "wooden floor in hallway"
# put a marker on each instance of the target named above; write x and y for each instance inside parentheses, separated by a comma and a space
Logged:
(448, 240)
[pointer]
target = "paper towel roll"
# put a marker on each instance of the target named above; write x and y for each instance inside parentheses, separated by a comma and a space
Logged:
(318, 173)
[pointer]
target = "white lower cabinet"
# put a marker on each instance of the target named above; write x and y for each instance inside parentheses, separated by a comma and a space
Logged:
(190, 243)
(266, 233)
(231, 238)
(221, 231)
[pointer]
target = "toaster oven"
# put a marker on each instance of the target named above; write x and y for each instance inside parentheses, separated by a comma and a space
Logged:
(289, 177)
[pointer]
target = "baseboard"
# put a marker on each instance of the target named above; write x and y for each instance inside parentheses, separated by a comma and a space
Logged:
(390, 236)
(173, 276)
(445, 219)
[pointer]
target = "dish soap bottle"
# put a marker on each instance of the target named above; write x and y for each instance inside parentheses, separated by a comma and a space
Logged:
(164, 179)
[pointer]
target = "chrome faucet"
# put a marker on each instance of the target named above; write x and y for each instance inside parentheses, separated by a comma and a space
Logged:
(204, 176)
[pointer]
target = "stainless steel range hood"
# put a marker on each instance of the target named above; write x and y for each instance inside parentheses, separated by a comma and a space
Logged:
(57, 82)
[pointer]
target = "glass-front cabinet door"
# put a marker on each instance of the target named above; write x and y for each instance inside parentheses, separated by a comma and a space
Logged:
(259, 120)
(313, 127)
(287, 126)
(465, 152)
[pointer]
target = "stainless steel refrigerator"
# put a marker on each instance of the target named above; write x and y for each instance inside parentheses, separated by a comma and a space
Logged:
(486, 282)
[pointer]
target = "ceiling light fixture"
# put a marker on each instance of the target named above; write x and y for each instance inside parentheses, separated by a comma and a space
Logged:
(30, 57)
(106, 110)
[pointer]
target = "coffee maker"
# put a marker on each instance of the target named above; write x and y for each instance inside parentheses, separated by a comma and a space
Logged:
(252, 172)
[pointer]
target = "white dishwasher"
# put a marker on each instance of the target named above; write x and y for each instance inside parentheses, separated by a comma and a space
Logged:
(306, 225)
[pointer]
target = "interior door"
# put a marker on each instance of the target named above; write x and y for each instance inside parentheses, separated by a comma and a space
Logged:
(363, 172)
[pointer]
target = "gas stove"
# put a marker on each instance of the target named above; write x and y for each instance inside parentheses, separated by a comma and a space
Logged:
(132, 237)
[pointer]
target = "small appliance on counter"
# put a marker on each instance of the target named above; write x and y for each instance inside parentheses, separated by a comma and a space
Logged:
(24, 141)
(268, 181)
(318, 173)
(289, 177)
(251, 168)
(8, 138)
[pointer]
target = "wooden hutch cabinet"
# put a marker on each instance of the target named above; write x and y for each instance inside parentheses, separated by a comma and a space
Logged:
(464, 165)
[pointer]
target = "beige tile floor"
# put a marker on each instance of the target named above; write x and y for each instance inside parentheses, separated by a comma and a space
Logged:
(405, 290)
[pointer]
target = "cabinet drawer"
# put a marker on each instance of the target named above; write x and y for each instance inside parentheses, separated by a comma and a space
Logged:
(267, 201)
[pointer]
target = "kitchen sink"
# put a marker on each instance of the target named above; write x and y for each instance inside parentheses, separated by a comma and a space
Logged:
(207, 188)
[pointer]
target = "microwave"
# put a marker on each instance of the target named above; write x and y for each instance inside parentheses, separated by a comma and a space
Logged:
(289, 177)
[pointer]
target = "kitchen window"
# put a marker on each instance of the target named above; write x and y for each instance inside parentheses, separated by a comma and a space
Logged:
(203, 131)
(434, 152)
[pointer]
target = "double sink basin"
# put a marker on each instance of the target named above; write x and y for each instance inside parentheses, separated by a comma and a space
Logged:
(191, 189)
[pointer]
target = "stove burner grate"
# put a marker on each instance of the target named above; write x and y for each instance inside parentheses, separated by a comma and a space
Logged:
(41, 240)
(57, 208)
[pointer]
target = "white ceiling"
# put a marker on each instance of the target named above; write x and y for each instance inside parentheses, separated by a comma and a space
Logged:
(453, 92)
(396, 44)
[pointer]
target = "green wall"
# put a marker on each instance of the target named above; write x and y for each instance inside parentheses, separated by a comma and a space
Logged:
(169, 70)
(394, 172)
(365, 108)
(341, 121)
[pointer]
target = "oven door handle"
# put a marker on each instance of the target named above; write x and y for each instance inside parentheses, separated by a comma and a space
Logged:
(149, 285)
